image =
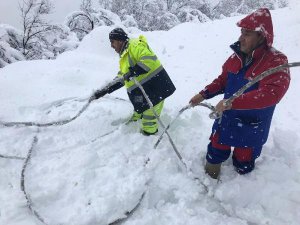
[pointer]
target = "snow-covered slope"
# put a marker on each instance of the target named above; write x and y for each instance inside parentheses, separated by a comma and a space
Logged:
(92, 170)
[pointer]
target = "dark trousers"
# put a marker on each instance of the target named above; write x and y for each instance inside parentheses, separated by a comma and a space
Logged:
(243, 158)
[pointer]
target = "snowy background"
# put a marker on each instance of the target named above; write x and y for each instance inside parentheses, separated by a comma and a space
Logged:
(8, 9)
(51, 27)
(91, 171)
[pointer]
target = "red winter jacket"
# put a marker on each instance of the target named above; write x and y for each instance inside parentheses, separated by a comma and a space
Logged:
(272, 88)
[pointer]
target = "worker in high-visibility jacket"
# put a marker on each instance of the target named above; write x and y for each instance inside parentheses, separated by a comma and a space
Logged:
(138, 60)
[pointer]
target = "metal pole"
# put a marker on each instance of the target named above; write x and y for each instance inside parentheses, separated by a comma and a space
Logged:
(159, 120)
(204, 104)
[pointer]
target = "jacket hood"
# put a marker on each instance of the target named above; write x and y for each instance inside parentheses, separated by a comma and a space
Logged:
(260, 21)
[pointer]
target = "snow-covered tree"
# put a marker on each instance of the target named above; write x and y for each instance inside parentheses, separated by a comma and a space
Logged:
(38, 39)
(161, 14)
(83, 22)
(234, 7)
(54, 42)
(34, 25)
(42, 40)
(157, 14)
(129, 21)
(167, 21)
(192, 15)
(175, 5)
(80, 23)
(105, 4)
(10, 45)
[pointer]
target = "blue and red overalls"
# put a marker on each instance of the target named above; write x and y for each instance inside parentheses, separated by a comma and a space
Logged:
(246, 125)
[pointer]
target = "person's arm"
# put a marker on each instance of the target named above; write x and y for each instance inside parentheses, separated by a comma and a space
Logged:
(270, 90)
(108, 89)
(115, 86)
(144, 58)
(217, 86)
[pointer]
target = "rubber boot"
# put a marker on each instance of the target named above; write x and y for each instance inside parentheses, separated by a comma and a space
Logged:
(213, 170)
(145, 133)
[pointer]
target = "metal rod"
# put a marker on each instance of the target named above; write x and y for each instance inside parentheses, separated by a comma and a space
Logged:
(216, 115)
(159, 120)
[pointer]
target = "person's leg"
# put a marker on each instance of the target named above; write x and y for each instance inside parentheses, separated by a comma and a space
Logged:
(149, 121)
(216, 154)
(243, 159)
(135, 117)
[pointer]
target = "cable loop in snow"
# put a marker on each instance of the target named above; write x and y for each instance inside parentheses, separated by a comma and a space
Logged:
(56, 123)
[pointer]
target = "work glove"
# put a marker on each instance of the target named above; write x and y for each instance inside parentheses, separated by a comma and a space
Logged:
(130, 74)
(134, 71)
(98, 94)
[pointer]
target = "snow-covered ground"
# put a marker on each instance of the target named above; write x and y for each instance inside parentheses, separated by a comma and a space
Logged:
(77, 175)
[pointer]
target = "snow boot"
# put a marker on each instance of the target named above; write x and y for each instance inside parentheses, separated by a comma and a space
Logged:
(213, 170)
(135, 117)
(145, 133)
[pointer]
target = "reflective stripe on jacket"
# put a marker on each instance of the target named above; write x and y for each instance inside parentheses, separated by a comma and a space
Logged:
(138, 52)
(156, 81)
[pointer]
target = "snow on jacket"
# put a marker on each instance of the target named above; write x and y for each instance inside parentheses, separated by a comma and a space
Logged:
(248, 122)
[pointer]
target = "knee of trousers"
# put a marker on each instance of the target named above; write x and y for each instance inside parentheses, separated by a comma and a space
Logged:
(216, 156)
(243, 167)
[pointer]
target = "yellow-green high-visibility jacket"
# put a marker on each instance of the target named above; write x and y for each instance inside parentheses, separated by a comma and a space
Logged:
(155, 81)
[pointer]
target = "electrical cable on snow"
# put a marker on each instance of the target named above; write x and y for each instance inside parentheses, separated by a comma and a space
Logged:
(204, 104)
(159, 120)
(62, 122)
(56, 123)
(23, 188)
(30, 203)
(187, 169)
(214, 114)
(12, 157)
(24, 168)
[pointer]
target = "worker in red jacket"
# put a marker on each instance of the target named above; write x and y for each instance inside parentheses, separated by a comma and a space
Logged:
(245, 123)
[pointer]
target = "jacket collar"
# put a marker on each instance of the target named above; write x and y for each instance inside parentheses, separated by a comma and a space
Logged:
(257, 53)
(124, 49)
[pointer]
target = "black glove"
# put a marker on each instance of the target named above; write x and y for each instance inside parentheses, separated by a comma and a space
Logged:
(99, 93)
(134, 71)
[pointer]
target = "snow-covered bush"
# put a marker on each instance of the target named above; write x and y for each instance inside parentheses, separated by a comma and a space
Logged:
(192, 15)
(167, 21)
(38, 39)
(83, 22)
(10, 45)
(235, 7)
(53, 42)
(129, 21)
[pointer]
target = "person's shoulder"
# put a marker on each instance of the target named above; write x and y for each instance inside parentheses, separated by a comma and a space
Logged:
(141, 41)
(276, 53)
(232, 60)
(271, 59)
(276, 56)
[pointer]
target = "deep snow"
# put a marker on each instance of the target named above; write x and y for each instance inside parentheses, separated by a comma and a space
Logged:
(79, 175)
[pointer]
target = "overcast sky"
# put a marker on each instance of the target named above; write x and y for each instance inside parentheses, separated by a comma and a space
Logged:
(10, 13)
